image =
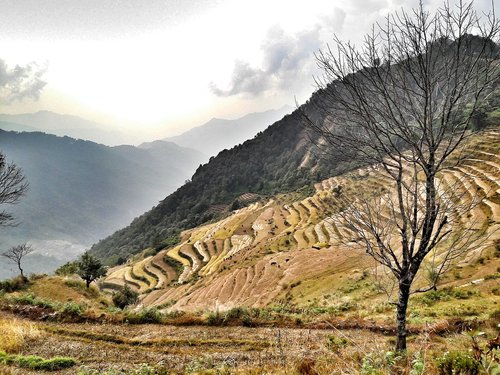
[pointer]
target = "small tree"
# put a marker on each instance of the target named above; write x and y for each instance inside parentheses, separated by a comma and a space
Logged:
(90, 268)
(12, 187)
(124, 297)
(16, 255)
(403, 103)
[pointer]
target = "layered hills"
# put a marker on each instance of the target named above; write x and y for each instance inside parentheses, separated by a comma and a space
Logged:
(219, 134)
(64, 125)
(81, 191)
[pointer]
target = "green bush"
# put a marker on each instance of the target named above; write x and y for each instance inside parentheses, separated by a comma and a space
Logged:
(125, 297)
(457, 363)
(445, 294)
(67, 269)
(72, 308)
(214, 319)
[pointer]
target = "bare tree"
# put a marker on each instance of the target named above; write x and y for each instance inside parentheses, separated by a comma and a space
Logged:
(403, 103)
(17, 253)
(12, 187)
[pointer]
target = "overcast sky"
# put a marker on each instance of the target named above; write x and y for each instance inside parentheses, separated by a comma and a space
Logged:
(158, 67)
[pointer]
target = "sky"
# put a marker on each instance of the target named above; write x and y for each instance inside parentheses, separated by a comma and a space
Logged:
(156, 68)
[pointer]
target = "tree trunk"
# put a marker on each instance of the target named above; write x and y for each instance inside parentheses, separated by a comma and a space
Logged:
(404, 295)
(87, 282)
(20, 269)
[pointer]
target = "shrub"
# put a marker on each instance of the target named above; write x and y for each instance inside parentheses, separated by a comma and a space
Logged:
(151, 315)
(457, 363)
(445, 294)
(72, 309)
(30, 299)
(214, 319)
(336, 343)
(13, 285)
(67, 269)
(125, 297)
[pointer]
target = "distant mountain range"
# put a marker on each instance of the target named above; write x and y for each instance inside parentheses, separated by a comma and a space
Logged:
(219, 134)
(81, 191)
(63, 125)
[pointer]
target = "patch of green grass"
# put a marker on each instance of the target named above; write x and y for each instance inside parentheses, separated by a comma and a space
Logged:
(34, 362)
(71, 309)
(446, 294)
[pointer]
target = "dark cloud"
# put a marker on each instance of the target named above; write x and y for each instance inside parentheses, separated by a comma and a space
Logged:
(20, 82)
(286, 59)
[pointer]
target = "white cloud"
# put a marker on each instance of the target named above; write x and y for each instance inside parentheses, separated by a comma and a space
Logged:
(20, 82)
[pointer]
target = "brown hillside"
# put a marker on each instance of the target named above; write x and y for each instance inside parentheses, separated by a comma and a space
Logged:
(295, 249)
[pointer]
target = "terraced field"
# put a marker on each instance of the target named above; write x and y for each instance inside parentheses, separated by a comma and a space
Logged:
(251, 257)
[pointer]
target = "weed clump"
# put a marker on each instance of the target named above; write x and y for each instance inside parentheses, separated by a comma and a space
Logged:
(336, 343)
(457, 363)
(14, 333)
(306, 367)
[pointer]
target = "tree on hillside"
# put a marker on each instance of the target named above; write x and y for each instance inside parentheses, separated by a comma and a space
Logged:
(12, 187)
(90, 268)
(403, 102)
(17, 253)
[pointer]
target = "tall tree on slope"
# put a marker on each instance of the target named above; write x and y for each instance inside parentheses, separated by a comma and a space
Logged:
(404, 101)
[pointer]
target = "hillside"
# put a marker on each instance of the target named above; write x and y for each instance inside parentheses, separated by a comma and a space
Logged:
(292, 250)
(81, 191)
(279, 159)
(219, 134)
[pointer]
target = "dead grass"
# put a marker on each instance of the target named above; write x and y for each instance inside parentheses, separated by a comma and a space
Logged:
(14, 333)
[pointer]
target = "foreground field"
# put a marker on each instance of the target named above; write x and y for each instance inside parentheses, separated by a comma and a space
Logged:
(160, 349)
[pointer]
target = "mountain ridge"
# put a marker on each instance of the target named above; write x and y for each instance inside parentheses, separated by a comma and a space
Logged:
(63, 125)
(218, 134)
